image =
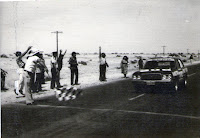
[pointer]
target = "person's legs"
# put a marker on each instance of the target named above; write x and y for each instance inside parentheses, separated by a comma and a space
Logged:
(72, 76)
(53, 73)
(3, 82)
(57, 79)
(42, 77)
(76, 73)
(21, 80)
(104, 73)
(38, 82)
(28, 94)
(101, 72)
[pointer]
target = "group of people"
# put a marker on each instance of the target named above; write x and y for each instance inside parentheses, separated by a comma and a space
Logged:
(31, 73)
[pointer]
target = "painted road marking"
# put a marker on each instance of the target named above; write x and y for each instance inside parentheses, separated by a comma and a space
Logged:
(136, 97)
(125, 111)
(191, 74)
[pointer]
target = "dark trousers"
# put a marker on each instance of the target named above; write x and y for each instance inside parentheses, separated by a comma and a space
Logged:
(32, 79)
(38, 82)
(102, 69)
(3, 82)
(74, 72)
(55, 78)
(140, 66)
(42, 77)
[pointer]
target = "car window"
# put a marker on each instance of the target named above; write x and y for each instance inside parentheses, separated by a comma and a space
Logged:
(159, 65)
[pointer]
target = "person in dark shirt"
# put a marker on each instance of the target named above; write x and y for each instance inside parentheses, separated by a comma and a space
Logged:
(140, 63)
(191, 58)
(60, 59)
(3, 78)
(74, 68)
(39, 73)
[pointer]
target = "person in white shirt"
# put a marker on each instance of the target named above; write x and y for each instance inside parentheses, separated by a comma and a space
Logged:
(102, 67)
(55, 80)
(32, 62)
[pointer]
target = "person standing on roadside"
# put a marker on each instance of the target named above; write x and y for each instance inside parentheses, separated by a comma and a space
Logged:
(74, 68)
(124, 66)
(19, 85)
(30, 67)
(191, 58)
(3, 79)
(60, 59)
(102, 67)
(54, 71)
(39, 74)
(140, 63)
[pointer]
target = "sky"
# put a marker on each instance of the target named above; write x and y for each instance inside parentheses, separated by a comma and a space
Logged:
(134, 26)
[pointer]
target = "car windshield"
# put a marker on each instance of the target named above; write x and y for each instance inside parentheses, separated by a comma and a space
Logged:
(159, 65)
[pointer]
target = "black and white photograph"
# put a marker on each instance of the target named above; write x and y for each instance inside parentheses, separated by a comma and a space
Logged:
(100, 68)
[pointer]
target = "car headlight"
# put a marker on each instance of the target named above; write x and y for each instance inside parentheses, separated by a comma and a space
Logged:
(135, 77)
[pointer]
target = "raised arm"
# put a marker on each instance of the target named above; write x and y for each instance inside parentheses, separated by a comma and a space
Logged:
(26, 51)
(65, 52)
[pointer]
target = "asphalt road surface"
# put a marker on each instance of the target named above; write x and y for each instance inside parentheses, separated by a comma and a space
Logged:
(114, 109)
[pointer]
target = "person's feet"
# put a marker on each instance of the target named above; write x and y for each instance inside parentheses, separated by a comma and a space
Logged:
(19, 93)
(15, 91)
(59, 86)
(103, 80)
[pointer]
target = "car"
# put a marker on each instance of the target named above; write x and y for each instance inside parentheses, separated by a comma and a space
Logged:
(161, 72)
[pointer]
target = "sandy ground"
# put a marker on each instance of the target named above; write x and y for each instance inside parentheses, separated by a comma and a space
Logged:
(88, 74)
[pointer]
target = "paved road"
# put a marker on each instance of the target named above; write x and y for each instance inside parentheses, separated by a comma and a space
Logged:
(114, 109)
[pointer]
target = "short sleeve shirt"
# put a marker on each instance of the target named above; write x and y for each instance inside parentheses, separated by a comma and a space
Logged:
(102, 61)
(31, 63)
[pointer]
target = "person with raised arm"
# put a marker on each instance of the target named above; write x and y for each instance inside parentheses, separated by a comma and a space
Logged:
(19, 84)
